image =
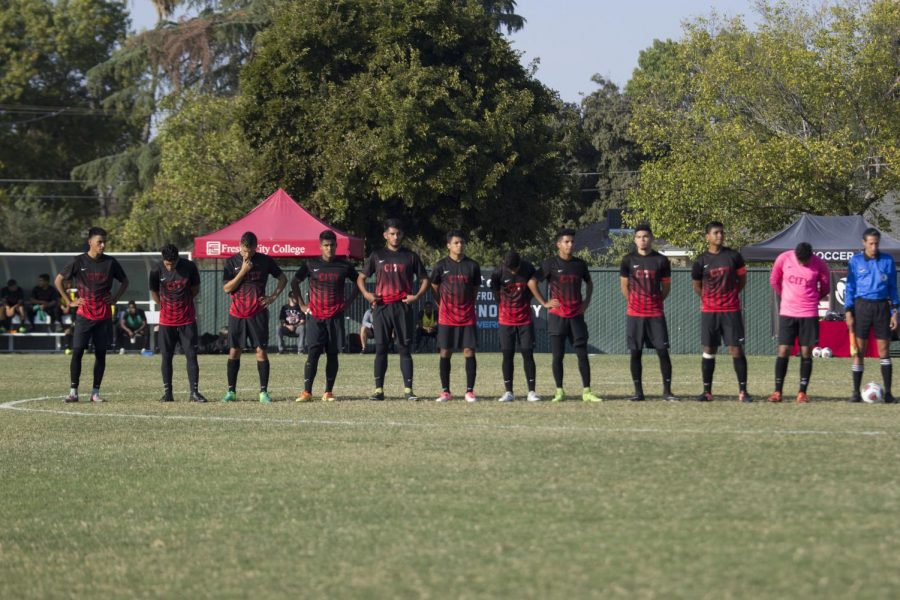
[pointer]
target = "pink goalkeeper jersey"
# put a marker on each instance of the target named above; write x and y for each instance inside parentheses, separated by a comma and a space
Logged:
(800, 286)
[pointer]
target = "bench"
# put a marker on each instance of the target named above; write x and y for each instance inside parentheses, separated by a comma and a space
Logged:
(11, 339)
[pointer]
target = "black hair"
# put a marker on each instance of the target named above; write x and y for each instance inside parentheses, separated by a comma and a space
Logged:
(169, 252)
(512, 260)
(803, 251)
(12, 282)
(328, 236)
(132, 303)
(454, 233)
(249, 240)
(714, 225)
(870, 232)
(96, 231)
(564, 232)
(44, 276)
(643, 227)
(393, 223)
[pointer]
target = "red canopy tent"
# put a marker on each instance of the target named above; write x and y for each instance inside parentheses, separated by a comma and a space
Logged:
(283, 228)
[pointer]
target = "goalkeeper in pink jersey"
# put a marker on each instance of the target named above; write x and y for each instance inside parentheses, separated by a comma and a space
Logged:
(801, 279)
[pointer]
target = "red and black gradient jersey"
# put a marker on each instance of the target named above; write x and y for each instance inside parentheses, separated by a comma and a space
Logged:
(327, 281)
(719, 276)
(645, 275)
(565, 278)
(94, 280)
(513, 295)
(394, 272)
(176, 306)
(459, 283)
(246, 299)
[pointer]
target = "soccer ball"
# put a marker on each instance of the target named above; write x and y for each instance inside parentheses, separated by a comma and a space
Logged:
(873, 393)
(817, 352)
(827, 353)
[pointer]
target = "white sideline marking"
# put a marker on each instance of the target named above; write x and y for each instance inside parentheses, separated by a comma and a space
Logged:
(15, 405)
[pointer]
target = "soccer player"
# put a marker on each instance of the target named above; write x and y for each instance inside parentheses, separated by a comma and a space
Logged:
(645, 278)
(870, 301)
(454, 281)
(718, 276)
(325, 311)
(514, 283)
(801, 279)
(394, 268)
(565, 274)
(93, 273)
(174, 283)
(245, 279)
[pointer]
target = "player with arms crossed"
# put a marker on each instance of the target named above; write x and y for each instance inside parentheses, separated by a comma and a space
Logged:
(93, 273)
(514, 283)
(801, 279)
(454, 281)
(718, 276)
(174, 283)
(870, 301)
(245, 276)
(325, 312)
(565, 274)
(645, 278)
(394, 268)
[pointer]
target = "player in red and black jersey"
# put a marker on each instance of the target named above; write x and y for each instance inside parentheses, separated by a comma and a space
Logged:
(565, 275)
(514, 284)
(174, 283)
(245, 276)
(718, 276)
(645, 278)
(327, 276)
(395, 268)
(455, 280)
(92, 273)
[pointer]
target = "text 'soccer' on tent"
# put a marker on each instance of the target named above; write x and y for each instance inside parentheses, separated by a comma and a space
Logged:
(284, 230)
(835, 239)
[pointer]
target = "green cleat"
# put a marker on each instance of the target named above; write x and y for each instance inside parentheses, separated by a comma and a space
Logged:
(265, 398)
(229, 397)
(560, 396)
(588, 396)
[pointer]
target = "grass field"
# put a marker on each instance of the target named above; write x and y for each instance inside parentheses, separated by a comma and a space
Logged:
(134, 498)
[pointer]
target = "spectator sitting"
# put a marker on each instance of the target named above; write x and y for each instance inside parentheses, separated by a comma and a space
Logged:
(426, 326)
(292, 324)
(366, 330)
(133, 325)
(13, 304)
(44, 301)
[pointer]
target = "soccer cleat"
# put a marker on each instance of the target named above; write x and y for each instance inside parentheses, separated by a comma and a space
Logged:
(229, 397)
(167, 397)
(327, 397)
(704, 397)
(668, 396)
(377, 395)
(745, 397)
(889, 398)
(410, 395)
(444, 397)
(559, 396)
(855, 398)
(802, 398)
(776, 397)
(198, 397)
(471, 397)
(533, 397)
(97, 398)
(71, 398)
(506, 397)
(588, 396)
(304, 397)
(265, 398)
(637, 398)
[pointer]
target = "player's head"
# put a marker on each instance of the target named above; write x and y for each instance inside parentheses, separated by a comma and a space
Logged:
(565, 239)
(96, 240)
(871, 240)
(512, 261)
(393, 232)
(456, 242)
(803, 252)
(169, 254)
(12, 284)
(43, 279)
(327, 243)
(643, 237)
(249, 243)
(715, 233)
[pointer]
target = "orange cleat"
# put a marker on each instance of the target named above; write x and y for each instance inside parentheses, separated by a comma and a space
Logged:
(775, 397)
(802, 398)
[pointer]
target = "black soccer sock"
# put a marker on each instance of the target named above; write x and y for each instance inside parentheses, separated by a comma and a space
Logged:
(558, 349)
(584, 365)
(471, 371)
(311, 367)
(887, 374)
(166, 369)
(331, 369)
(707, 369)
(444, 368)
(507, 369)
(263, 367)
(740, 369)
(781, 368)
(637, 372)
(75, 367)
(806, 366)
(530, 368)
(406, 365)
(665, 369)
(193, 369)
(99, 367)
(381, 363)
(857, 377)
(234, 365)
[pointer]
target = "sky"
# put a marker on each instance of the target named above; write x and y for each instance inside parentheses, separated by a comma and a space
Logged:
(574, 39)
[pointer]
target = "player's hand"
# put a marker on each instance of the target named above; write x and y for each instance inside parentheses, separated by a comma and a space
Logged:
(409, 300)
(267, 300)
(370, 298)
(894, 322)
(554, 303)
(76, 302)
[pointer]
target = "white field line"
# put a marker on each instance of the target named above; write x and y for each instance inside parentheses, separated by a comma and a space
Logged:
(17, 405)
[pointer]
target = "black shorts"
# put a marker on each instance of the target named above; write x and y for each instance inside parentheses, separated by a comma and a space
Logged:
(326, 332)
(804, 329)
(716, 326)
(87, 331)
(255, 329)
(511, 335)
(457, 337)
(170, 335)
(647, 332)
(872, 314)
(573, 328)
(395, 319)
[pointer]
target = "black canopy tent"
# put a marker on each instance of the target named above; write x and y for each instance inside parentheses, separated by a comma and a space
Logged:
(835, 239)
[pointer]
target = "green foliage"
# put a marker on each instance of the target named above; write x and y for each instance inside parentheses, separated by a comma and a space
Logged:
(407, 108)
(752, 128)
(620, 245)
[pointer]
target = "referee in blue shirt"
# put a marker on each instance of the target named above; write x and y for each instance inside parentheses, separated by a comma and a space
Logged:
(870, 299)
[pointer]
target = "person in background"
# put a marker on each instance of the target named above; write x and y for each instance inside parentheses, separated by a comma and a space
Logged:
(426, 325)
(292, 322)
(133, 325)
(13, 304)
(44, 300)
(366, 330)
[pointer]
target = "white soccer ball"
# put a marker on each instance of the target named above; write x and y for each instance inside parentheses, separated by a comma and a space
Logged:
(827, 353)
(873, 393)
(817, 352)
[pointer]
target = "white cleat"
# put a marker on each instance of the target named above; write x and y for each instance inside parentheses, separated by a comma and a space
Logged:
(470, 397)
(506, 397)
(533, 397)
(444, 397)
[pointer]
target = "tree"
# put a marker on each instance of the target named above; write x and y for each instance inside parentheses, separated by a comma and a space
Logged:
(408, 108)
(751, 128)
(503, 13)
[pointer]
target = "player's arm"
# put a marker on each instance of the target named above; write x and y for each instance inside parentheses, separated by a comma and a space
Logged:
(849, 295)
(154, 295)
(892, 293)
(63, 293)
(282, 282)
(666, 287)
(194, 281)
(623, 286)
(588, 292)
(536, 292)
(775, 278)
(295, 289)
(153, 285)
(354, 289)
(824, 280)
(424, 280)
(235, 282)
